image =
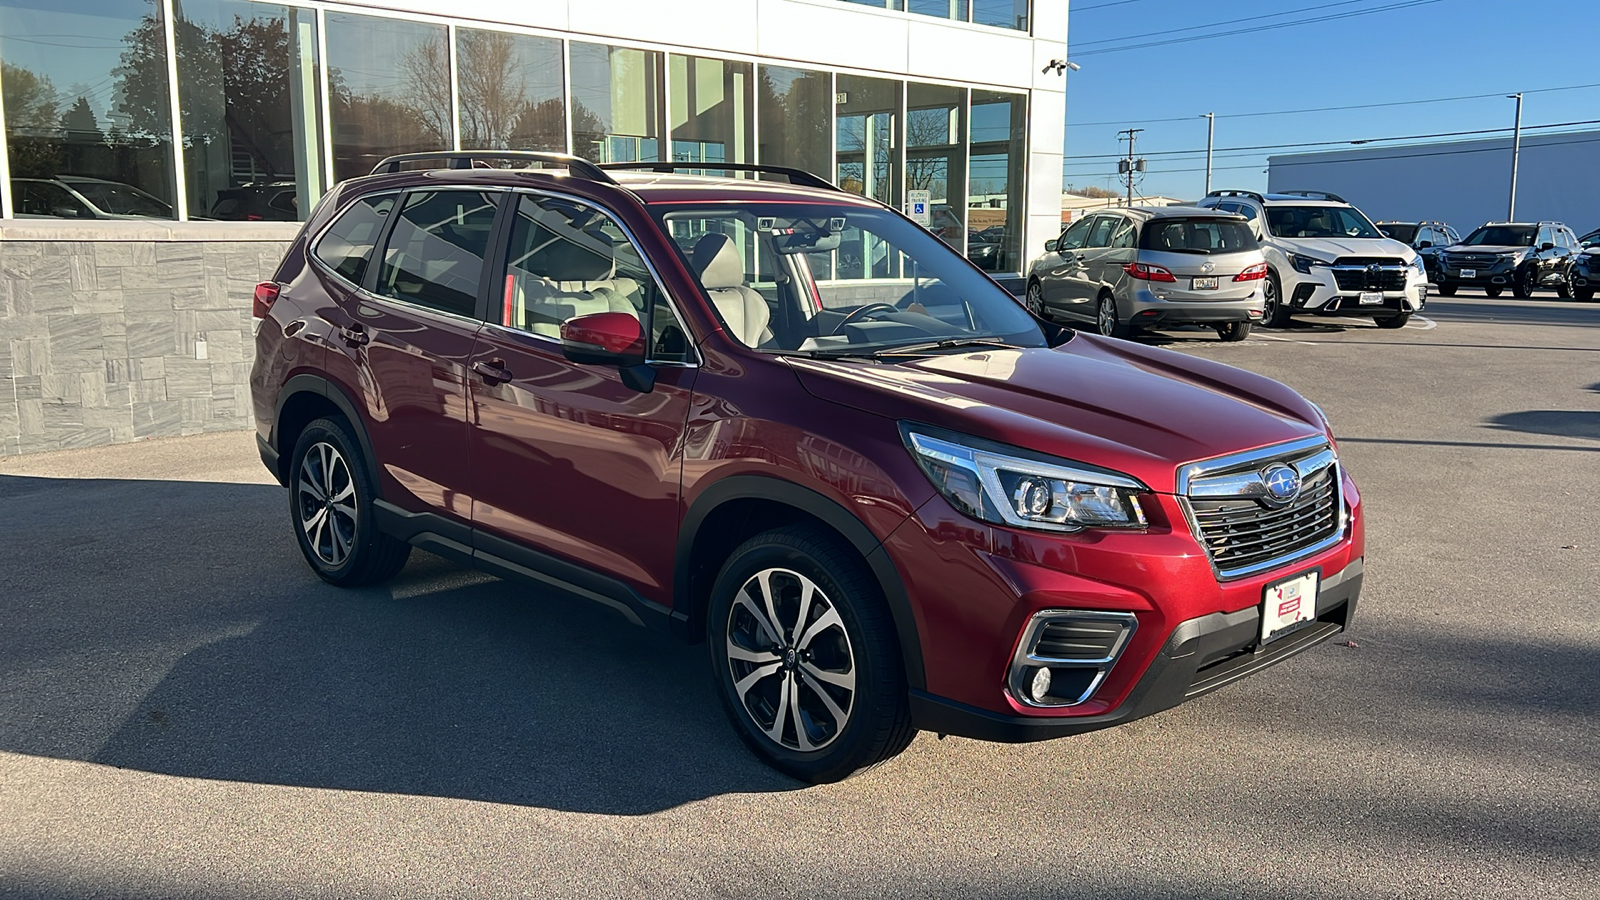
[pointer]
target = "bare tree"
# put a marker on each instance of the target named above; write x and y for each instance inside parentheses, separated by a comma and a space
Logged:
(493, 89)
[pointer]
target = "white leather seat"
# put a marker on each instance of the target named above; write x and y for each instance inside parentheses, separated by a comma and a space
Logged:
(745, 313)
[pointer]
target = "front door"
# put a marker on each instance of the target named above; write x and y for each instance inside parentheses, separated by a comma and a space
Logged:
(568, 459)
(1061, 275)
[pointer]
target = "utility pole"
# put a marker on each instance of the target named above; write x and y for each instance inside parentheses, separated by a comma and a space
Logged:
(1211, 137)
(1130, 166)
(1516, 152)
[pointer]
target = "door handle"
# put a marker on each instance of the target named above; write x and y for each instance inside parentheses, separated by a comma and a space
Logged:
(355, 335)
(492, 372)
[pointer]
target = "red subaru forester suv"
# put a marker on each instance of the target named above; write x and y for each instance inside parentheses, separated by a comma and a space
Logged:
(759, 411)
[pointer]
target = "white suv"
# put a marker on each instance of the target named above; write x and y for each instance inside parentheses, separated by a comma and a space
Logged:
(1326, 258)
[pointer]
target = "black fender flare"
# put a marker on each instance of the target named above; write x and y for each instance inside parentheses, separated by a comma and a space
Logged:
(335, 394)
(826, 510)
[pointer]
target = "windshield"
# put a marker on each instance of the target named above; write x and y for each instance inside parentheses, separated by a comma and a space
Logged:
(1502, 236)
(840, 280)
(1198, 235)
(1319, 222)
(1405, 234)
(121, 199)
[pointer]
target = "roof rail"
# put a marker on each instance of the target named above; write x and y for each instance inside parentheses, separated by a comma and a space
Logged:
(1315, 195)
(1251, 194)
(795, 176)
(469, 159)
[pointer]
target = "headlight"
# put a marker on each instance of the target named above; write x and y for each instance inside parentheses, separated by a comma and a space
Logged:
(1303, 264)
(1009, 486)
(1418, 266)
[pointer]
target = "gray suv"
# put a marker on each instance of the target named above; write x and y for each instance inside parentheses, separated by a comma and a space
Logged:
(1144, 267)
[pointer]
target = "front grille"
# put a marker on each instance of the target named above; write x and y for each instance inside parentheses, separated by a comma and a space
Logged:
(1243, 534)
(1353, 274)
(1471, 260)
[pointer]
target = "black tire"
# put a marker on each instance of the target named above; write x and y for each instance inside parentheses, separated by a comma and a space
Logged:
(1395, 321)
(1493, 290)
(1585, 294)
(1273, 313)
(1447, 290)
(1233, 331)
(1107, 320)
(858, 646)
(343, 544)
(1033, 299)
(1564, 289)
(1526, 280)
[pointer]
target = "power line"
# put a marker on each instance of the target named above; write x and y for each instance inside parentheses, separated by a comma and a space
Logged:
(1320, 109)
(1082, 9)
(1255, 18)
(1407, 4)
(1404, 137)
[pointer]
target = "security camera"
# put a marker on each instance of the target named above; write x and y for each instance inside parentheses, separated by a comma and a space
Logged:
(1059, 65)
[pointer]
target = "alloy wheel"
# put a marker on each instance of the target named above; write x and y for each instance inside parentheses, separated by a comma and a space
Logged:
(1108, 316)
(1035, 299)
(325, 495)
(791, 660)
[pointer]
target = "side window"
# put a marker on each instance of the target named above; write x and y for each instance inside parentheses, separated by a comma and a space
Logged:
(1566, 239)
(434, 257)
(1228, 206)
(1425, 235)
(1100, 236)
(569, 259)
(1543, 237)
(347, 244)
(1248, 211)
(1073, 238)
(1122, 235)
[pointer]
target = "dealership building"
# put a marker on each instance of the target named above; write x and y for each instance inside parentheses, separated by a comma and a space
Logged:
(157, 153)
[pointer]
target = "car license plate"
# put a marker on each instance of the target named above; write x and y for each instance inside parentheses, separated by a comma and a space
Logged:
(1205, 283)
(1469, 273)
(1287, 604)
(1371, 298)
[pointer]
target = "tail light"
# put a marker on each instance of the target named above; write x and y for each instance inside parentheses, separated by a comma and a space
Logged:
(1254, 273)
(1147, 273)
(266, 295)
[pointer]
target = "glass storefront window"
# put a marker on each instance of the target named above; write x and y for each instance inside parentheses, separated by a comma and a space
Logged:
(511, 91)
(389, 90)
(712, 116)
(87, 107)
(944, 9)
(1001, 13)
(867, 128)
(248, 83)
(616, 103)
(796, 109)
(936, 155)
(994, 195)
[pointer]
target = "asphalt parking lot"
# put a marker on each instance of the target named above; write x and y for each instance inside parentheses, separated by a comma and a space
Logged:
(187, 712)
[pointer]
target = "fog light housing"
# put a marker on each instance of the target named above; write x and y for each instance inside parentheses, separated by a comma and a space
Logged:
(1064, 655)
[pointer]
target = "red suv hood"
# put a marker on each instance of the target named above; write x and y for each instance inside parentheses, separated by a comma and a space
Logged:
(1139, 410)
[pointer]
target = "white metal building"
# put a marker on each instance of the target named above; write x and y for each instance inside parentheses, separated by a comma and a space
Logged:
(1464, 184)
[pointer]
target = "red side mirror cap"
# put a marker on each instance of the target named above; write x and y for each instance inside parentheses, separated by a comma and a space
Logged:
(608, 338)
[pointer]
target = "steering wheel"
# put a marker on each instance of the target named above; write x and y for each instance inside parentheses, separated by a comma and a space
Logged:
(863, 312)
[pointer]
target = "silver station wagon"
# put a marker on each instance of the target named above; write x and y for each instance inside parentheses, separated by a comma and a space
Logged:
(1147, 267)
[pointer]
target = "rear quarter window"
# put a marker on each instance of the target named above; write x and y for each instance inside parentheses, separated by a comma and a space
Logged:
(346, 247)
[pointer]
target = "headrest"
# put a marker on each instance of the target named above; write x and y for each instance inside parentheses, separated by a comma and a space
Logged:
(568, 260)
(717, 260)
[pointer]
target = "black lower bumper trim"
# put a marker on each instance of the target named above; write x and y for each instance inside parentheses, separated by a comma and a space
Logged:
(1190, 315)
(269, 458)
(1201, 655)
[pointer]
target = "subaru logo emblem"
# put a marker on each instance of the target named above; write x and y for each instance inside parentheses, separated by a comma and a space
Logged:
(1374, 270)
(1283, 483)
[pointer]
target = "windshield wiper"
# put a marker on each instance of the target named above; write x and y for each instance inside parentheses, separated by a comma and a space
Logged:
(911, 349)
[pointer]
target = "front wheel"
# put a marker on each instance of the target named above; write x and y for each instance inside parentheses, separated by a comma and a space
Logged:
(1564, 289)
(805, 657)
(1395, 321)
(1234, 331)
(330, 499)
(1273, 315)
(1526, 281)
(1446, 289)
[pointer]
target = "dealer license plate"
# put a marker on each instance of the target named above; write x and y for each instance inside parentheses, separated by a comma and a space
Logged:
(1469, 273)
(1287, 604)
(1205, 283)
(1372, 298)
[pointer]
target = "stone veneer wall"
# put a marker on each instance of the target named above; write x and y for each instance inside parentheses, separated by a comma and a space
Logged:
(121, 331)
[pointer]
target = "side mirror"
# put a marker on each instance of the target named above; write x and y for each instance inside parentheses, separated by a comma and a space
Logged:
(1425, 245)
(1050, 246)
(1546, 246)
(609, 339)
(64, 211)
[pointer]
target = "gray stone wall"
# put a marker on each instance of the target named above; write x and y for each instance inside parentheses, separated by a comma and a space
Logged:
(122, 331)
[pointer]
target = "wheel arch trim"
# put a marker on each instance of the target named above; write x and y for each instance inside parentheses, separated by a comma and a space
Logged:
(335, 394)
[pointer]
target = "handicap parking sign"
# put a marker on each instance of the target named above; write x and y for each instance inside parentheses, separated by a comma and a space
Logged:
(917, 203)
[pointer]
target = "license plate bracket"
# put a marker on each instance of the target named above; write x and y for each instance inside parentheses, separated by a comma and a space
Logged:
(1469, 273)
(1371, 298)
(1288, 604)
(1204, 283)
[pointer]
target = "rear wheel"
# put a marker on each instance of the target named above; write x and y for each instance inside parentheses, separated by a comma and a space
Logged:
(1034, 299)
(1564, 289)
(1527, 279)
(1273, 314)
(804, 654)
(1446, 290)
(1395, 321)
(1493, 290)
(1233, 331)
(1110, 325)
(330, 499)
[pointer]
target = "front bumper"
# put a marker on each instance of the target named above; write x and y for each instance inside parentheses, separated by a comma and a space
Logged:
(1317, 294)
(1502, 273)
(1201, 655)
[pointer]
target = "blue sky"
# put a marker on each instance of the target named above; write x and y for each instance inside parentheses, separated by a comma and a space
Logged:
(1413, 50)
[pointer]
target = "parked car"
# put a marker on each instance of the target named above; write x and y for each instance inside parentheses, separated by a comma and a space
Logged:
(82, 197)
(1585, 273)
(1325, 258)
(1523, 256)
(986, 248)
(276, 201)
(886, 504)
(1589, 240)
(1149, 266)
(1427, 238)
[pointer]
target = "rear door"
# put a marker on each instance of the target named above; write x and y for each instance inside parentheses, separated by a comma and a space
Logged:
(1079, 288)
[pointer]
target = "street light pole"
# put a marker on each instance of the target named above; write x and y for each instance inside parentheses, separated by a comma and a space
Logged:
(1211, 137)
(1516, 153)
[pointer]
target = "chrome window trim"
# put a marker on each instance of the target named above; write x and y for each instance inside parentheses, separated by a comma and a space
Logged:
(1328, 459)
(655, 276)
(316, 241)
(1024, 657)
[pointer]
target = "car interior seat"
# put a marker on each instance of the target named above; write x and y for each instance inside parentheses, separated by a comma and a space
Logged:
(743, 310)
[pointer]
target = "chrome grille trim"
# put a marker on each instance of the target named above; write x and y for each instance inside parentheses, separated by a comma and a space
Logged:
(1320, 506)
